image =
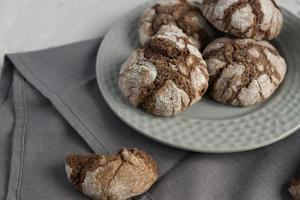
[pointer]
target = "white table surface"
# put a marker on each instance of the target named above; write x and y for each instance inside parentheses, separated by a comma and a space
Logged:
(35, 24)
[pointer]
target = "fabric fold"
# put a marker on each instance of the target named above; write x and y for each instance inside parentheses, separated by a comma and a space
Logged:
(71, 88)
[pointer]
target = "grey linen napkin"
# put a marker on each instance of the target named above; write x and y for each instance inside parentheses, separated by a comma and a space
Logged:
(51, 106)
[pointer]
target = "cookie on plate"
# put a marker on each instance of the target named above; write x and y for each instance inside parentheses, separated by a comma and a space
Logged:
(166, 76)
(256, 19)
(181, 13)
(243, 72)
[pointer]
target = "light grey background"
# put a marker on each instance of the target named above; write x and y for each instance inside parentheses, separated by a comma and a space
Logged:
(34, 24)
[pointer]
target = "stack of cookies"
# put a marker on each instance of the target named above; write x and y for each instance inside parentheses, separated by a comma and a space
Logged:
(169, 73)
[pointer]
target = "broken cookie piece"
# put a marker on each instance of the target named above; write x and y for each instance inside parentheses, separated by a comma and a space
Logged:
(165, 77)
(243, 72)
(294, 189)
(181, 13)
(112, 177)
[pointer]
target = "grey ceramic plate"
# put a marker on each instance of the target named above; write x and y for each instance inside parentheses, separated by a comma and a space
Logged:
(207, 126)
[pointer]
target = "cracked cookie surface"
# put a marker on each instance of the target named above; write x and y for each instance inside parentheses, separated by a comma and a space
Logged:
(181, 13)
(166, 76)
(256, 19)
(112, 177)
(243, 72)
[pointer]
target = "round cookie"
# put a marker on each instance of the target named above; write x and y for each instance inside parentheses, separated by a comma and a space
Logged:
(243, 72)
(166, 76)
(256, 19)
(181, 13)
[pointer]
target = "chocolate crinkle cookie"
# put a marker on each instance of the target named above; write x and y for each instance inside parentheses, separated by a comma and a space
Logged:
(166, 76)
(256, 19)
(243, 72)
(112, 177)
(181, 13)
(294, 189)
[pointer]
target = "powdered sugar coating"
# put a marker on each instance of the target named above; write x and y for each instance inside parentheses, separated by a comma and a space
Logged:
(145, 25)
(276, 61)
(242, 19)
(68, 171)
(172, 32)
(194, 19)
(221, 6)
(258, 19)
(179, 78)
(136, 73)
(198, 80)
(243, 72)
(91, 186)
(253, 52)
(170, 100)
(193, 50)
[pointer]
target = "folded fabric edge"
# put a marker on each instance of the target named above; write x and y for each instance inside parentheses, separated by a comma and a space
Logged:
(58, 103)
(5, 80)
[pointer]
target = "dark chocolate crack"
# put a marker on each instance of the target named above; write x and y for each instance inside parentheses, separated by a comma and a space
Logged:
(164, 53)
